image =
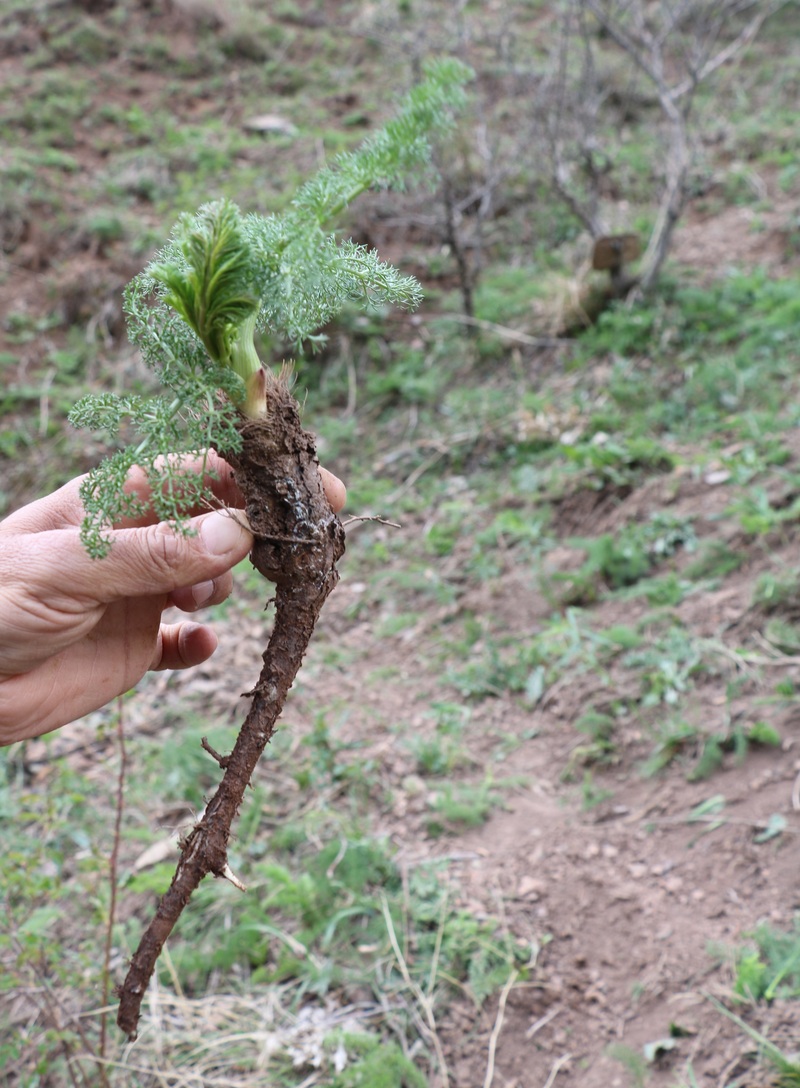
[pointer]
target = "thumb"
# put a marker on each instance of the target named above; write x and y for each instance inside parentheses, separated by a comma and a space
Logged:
(156, 559)
(144, 561)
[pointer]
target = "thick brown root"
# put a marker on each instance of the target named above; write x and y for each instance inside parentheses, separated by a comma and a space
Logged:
(299, 540)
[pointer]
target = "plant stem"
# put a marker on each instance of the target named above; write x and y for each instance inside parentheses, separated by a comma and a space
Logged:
(112, 869)
(246, 363)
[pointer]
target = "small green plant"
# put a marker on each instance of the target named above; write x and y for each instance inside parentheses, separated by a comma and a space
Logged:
(442, 752)
(382, 1066)
(778, 593)
(667, 664)
(599, 728)
(632, 1061)
(786, 1067)
(770, 967)
(680, 738)
(623, 559)
(592, 795)
(461, 805)
(495, 671)
(716, 560)
(619, 461)
(758, 516)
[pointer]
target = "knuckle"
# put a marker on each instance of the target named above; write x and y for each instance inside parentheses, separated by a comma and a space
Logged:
(166, 549)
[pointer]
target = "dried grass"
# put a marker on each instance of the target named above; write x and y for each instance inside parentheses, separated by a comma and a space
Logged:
(226, 1040)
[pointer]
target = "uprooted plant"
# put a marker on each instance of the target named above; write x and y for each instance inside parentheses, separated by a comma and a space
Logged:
(194, 313)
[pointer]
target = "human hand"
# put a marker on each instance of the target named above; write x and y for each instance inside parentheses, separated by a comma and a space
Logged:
(75, 632)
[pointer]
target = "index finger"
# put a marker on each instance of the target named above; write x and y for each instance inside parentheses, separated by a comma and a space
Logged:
(217, 476)
(64, 508)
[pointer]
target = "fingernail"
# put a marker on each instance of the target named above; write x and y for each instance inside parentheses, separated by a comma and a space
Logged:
(202, 592)
(222, 532)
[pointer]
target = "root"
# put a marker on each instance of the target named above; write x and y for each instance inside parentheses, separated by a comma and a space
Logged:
(299, 540)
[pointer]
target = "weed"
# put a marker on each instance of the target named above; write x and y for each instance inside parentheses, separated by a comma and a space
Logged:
(322, 761)
(614, 561)
(617, 461)
(446, 527)
(757, 515)
(382, 1065)
(665, 591)
(667, 665)
(494, 672)
(787, 1068)
(505, 295)
(521, 530)
(633, 1062)
(783, 635)
(685, 362)
(716, 560)
(592, 795)
(778, 592)
(600, 728)
(770, 967)
(677, 738)
(459, 806)
(445, 751)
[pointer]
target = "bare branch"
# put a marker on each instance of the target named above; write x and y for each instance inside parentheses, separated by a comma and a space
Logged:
(748, 35)
(674, 45)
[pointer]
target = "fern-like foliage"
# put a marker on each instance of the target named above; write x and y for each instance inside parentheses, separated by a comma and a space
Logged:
(224, 275)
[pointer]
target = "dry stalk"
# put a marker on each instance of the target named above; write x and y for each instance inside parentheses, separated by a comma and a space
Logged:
(556, 1067)
(424, 1001)
(113, 866)
(498, 1027)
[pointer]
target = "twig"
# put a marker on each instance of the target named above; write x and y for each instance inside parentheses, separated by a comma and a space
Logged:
(222, 760)
(717, 818)
(503, 330)
(173, 977)
(355, 518)
(743, 39)
(352, 386)
(438, 946)
(409, 482)
(557, 1064)
(334, 865)
(498, 1027)
(112, 869)
(52, 1007)
(777, 659)
(542, 1022)
(44, 401)
(452, 220)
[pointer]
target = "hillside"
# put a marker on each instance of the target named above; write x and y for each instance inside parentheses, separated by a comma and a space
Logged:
(532, 815)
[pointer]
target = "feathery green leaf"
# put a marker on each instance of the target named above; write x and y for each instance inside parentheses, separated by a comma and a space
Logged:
(194, 311)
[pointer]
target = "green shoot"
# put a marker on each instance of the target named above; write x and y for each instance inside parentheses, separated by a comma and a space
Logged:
(195, 311)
